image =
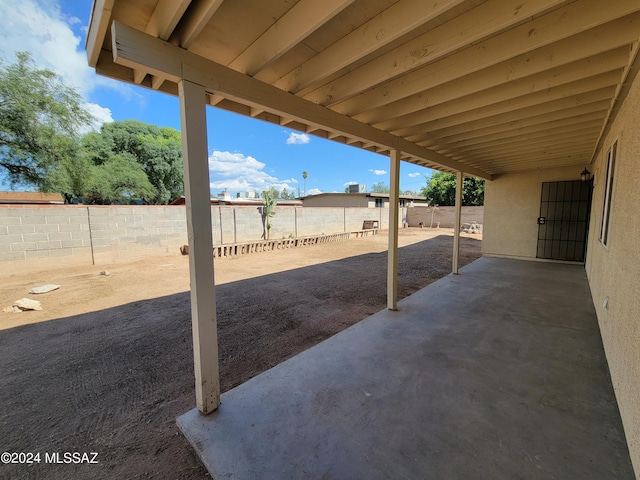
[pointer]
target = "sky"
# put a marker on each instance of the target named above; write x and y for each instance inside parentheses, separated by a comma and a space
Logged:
(245, 154)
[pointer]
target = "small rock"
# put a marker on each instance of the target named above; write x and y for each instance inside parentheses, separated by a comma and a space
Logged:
(27, 304)
(105, 273)
(11, 309)
(49, 287)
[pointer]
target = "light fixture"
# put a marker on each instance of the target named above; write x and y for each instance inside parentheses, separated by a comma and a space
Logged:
(585, 175)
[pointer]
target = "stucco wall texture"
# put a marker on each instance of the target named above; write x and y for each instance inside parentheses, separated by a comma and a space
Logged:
(512, 208)
(614, 271)
(512, 205)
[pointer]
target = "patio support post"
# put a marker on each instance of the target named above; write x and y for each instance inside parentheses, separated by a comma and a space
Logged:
(392, 256)
(198, 206)
(458, 222)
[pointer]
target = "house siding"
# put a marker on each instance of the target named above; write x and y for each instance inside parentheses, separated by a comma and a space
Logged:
(511, 210)
(512, 203)
(614, 271)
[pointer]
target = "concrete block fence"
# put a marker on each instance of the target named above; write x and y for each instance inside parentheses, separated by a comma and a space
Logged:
(445, 216)
(45, 236)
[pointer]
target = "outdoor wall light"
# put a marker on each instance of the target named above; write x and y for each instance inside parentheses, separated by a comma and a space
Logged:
(585, 175)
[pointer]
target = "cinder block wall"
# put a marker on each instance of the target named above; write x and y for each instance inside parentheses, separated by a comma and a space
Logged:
(50, 236)
(446, 216)
(44, 236)
(135, 231)
(248, 223)
(319, 220)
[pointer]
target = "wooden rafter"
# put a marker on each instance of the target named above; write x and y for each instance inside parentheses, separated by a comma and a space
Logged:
(135, 49)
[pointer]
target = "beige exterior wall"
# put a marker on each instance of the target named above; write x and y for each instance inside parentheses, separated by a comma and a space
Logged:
(511, 210)
(512, 205)
(614, 271)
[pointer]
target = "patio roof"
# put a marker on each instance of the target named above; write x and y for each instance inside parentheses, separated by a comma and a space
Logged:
(483, 87)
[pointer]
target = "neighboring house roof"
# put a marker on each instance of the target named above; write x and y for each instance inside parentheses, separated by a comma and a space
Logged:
(35, 198)
(365, 194)
(242, 202)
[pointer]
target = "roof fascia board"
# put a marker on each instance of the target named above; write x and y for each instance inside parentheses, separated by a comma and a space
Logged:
(135, 49)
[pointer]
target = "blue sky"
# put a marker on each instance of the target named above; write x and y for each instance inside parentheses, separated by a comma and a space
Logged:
(244, 154)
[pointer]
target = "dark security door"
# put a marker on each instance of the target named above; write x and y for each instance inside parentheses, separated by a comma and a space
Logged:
(564, 220)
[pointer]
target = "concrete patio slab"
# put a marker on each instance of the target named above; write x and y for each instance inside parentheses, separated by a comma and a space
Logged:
(496, 373)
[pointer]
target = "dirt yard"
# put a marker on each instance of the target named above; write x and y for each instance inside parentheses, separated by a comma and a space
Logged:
(107, 365)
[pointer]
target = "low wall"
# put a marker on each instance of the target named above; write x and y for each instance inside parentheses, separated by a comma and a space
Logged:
(445, 216)
(45, 236)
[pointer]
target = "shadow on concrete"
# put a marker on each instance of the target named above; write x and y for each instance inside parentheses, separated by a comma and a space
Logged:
(114, 381)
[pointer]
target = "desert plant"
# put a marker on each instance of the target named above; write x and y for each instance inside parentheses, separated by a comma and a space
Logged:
(268, 211)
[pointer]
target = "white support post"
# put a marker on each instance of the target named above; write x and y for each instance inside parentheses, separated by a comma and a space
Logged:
(392, 255)
(458, 223)
(198, 202)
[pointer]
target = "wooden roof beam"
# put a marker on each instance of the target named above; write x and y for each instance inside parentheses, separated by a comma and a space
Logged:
(394, 22)
(545, 84)
(304, 18)
(508, 46)
(98, 26)
(455, 113)
(192, 24)
(540, 119)
(506, 112)
(522, 134)
(544, 68)
(136, 49)
(504, 148)
(163, 21)
(496, 30)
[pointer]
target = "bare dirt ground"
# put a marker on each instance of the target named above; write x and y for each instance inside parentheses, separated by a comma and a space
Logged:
(107, 366)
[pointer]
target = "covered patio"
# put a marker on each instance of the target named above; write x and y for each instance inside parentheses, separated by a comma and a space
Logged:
(496, 373)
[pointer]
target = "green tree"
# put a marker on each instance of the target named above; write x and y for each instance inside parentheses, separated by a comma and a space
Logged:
(120, 180)
(40, 120)
(380, 187)
(304, 177)
(157, 150)
(441, 190)
(287, 195)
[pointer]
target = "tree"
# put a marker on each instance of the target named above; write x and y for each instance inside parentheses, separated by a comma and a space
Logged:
(380, 187)
(286, 195)
(40, 120)
(304, 177)
(441, 190)
(119, 180)
(157, 150)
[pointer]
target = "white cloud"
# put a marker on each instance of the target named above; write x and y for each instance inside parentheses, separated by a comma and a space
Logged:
(40, 28)
(101, 115)
(240, 173)
(298, 138)
(378, 172)
(414, 174)
(314, 191)
(349, 183)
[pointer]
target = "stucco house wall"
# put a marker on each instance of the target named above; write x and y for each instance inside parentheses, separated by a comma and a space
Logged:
(512, 205)
(512, 208)
(614, 270)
